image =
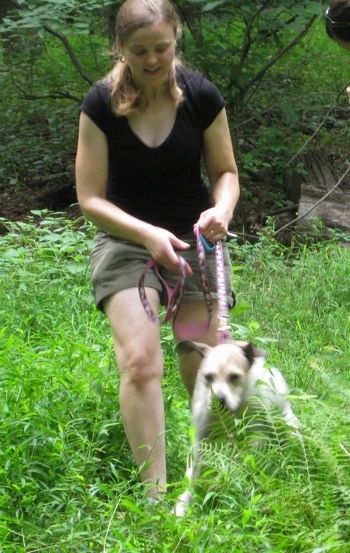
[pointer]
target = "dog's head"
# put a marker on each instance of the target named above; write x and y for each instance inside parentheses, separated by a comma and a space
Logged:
(224, 369)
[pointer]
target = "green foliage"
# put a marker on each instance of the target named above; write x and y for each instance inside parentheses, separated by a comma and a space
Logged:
(56, 13)
(281, 75)
(51, 54)
(251, 37)
(39, 144)
(277, 72)
(68, 483)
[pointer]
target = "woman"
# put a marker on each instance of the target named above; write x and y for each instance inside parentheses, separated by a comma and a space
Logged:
(337, 19)
(143, 131)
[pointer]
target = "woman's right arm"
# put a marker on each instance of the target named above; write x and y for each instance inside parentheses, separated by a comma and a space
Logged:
(91, 171)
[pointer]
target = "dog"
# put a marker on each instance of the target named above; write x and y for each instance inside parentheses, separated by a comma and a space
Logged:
(235, 373)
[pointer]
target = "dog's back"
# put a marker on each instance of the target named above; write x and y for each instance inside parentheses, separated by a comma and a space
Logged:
(266, 390)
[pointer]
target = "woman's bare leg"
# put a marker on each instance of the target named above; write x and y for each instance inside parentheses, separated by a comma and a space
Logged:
(193, 312)
(140, 361)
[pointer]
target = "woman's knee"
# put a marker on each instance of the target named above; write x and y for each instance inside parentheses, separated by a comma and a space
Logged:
(139, 366)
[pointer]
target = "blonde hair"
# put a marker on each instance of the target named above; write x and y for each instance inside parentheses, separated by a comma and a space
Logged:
(133, 14)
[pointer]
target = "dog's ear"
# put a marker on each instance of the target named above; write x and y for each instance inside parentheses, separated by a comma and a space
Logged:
(252, 352)
(260, 352)
(248, 351)
(186, 346)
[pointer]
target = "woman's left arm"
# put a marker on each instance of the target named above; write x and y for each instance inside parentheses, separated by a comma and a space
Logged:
(223, 176)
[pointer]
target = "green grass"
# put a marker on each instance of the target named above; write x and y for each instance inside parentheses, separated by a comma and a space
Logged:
(67, 480)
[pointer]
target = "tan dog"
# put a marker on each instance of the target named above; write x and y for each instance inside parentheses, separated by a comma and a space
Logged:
(235, 373)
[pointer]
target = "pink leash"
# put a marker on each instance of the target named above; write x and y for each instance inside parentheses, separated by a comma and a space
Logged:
(175, 295)
(191, 331)
(223, 332)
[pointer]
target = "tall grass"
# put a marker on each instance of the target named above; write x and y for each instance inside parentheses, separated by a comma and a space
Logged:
(67, 480)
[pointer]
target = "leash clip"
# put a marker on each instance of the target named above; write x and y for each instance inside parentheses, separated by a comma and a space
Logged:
(223, 325)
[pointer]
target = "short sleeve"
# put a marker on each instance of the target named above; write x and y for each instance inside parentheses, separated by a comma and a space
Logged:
(211, 102)
(204, 97)
(96, 105)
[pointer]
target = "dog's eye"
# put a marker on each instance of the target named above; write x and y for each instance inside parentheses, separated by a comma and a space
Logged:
(209, 378)
(233, 378)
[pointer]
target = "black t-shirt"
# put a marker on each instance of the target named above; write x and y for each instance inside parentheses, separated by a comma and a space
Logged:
(162, 185)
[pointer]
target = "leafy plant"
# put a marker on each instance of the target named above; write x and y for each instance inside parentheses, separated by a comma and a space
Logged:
(68, 483)
(280, 74)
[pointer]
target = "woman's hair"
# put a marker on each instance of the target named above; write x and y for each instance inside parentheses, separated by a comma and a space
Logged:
(133, 14)
(338, 20)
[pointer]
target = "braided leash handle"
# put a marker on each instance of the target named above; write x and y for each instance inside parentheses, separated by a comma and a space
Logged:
(191, 330)
(203, 245)
(223, 333)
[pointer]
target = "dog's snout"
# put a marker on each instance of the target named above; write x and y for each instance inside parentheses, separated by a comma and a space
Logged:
(222, 400)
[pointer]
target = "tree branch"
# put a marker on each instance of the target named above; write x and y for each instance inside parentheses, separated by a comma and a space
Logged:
(70, 53)
(190, 20)
(53, 95)
(280, 54)
(316, 131)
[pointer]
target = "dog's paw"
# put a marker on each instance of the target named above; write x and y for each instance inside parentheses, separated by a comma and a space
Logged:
(182, 504)
(180, 509)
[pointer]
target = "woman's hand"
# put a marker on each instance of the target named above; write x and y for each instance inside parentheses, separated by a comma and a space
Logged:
(213, 224)
(161, 245)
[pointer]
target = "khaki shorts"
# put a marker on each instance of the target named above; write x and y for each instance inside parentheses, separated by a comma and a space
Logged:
(117, 264)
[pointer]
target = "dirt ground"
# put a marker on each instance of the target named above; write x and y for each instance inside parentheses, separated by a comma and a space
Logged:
(16, 204)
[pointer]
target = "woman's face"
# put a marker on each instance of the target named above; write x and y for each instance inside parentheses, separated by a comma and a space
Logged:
(150, 52)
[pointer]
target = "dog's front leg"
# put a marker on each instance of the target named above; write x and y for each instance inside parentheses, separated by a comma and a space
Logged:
(292, 420)
(185, 498)
(201, 420)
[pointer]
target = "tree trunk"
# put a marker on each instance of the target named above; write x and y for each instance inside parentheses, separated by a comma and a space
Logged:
(334, 211)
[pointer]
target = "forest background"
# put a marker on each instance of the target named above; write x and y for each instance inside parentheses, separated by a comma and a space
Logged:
(283, 80)
(67, 480)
